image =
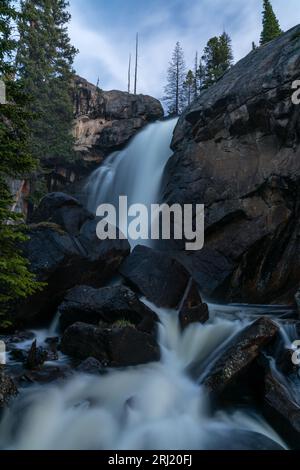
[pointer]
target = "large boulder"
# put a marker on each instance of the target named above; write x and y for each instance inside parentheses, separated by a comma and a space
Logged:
(241, 351)
(237, 151)
(156, 275)
(117, 346)
(63, 210)
(108, 304)
(106, 120)
(61, 261)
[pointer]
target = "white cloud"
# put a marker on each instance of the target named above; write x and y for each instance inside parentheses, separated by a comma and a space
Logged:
(104, 52)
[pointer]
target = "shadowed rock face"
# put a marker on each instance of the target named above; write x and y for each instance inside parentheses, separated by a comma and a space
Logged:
(239, 354)
(237, 150)
(106, 120)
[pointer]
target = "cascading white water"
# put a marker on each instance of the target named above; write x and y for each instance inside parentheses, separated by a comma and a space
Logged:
(155, 406)
(135, 172)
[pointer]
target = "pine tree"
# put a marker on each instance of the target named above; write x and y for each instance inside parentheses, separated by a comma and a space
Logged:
(16, 161)
(189, 84)
(217, 58)
(44, 60)
(271, 28)
(174, 90)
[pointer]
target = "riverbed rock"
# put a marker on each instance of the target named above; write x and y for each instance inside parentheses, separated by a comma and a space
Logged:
(106, 120)
(192, 309)
(108, 304)
(8, 388)
(241, 351)
(156, 275)
(116, 347)
(91, 366)
(62, 261)
(36, 356)
(63, 210)
(237, 151)
(282, 409)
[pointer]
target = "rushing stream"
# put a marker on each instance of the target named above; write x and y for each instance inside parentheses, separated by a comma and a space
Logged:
(155, 406)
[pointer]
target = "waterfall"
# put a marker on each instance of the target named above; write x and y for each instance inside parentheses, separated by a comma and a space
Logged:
(135, 172)
(153, 406)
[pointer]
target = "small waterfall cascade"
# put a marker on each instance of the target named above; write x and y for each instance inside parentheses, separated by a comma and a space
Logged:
(135, 172)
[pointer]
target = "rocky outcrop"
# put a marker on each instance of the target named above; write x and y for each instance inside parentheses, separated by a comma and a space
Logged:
(156, 275)
(63, 210)
(242, 350)
(116, 346)
(63, 260)
(106, 305)
(106, 120)
(237, 150)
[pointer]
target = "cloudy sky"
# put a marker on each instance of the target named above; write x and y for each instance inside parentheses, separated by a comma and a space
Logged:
(104, 32)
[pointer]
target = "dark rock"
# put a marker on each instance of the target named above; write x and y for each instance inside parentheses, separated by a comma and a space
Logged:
(284, 361)
(282, 409)
(116, 346)
(106, 120)
(129, 347)
(158, 276)
(8, 389)
(17, 337)
(239, 354)
(82, 341)
(63, 261)
(63, 210)
(237, 151)
(47, 374)
(91, 366)
(192, 309)
(108, 304)
(36, 356)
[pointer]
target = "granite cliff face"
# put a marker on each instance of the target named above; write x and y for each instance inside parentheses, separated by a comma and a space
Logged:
(106, 120)
(237, 150)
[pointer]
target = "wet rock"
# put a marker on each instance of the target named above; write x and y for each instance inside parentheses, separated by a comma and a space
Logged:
(237, 151)
(192, 309)
(8, 389)
(17, 337)
(282, 409)
(158, 276)
(83, 341)
(242, 350)
(63, 210)
(108, 304)
(47, 374)
(63, 261)
(124, 346)
(36, 356)
(91, 366)
(129, 347)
